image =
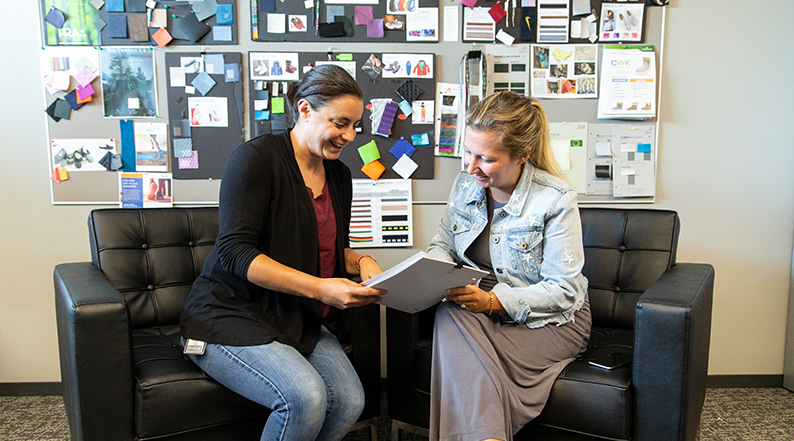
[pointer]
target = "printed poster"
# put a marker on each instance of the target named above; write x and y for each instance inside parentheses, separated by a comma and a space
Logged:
(151, 146)
(145, 190)
(564, 71)
(78, 28)
(128, 84)
(382, 213)
(208, 111)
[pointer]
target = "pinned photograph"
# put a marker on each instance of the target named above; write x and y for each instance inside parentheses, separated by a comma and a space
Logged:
(128, 85)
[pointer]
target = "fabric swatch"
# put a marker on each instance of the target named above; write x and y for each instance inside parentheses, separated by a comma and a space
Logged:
(213, 64)
(189, 162)
(232, 72)
(117, 26)
(405, 166)
(224, 14)
(55, 17)
(374, 169)
(363, 15)
(386, 121)
(369, 152)
(192, 28)
(222, 33)
(203, 83)
(114, 6)
(139, 27)
(204, 9)
(183, 147)
(402, 147)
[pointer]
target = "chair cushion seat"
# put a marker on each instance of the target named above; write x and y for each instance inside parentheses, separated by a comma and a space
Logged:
(584, 398)
(173, 395)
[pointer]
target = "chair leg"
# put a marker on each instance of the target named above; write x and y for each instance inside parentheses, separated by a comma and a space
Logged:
(372, 423)
(396, 426)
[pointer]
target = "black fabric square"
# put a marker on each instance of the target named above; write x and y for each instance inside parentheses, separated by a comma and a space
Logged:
(409, 91)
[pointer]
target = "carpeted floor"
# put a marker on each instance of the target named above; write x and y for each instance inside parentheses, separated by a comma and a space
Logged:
(749, 414)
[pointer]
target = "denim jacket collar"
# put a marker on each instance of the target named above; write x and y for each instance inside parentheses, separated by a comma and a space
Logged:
(518, 199)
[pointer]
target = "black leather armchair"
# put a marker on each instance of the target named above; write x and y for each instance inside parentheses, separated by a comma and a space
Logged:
(644, 305)
(123, 372)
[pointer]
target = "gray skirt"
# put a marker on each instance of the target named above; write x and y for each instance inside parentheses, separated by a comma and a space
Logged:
(491, 378)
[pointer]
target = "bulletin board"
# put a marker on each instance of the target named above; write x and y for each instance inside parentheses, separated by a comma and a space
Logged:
(530, 24)
(101, 187)
(373, 84)
(338, 21)
(205, 127)
(130, 23)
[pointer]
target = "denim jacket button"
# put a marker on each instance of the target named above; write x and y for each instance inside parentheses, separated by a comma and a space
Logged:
(495, 240)
(503, 214)
(499, 270)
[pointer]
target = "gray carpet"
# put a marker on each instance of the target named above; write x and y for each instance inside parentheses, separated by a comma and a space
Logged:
(747, 414)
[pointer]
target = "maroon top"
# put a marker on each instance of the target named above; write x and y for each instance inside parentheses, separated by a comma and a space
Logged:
(326, 230)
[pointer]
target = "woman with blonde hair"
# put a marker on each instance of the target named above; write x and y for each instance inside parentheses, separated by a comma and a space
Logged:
(498, 346)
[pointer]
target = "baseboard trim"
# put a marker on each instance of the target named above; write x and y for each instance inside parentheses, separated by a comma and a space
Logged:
(30, 389)
(729, 381)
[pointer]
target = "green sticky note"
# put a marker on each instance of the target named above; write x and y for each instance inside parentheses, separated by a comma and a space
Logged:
(344, 57)
(277, 104)
(576, 143)
(369, 152)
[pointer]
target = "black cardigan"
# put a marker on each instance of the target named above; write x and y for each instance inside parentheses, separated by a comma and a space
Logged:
(265, 209)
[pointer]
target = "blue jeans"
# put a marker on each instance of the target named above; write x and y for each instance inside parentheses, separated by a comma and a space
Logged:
(313, 396)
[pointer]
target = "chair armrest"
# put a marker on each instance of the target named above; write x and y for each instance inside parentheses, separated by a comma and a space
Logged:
(671, 350)
(95, 352)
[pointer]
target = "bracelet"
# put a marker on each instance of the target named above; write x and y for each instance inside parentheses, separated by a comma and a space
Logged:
(491, 310)
(358, 262)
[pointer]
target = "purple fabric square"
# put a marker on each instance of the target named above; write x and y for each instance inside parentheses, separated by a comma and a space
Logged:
(190, 162)
(402, 147)
(386, 121)
(375, 28)
(363, 15)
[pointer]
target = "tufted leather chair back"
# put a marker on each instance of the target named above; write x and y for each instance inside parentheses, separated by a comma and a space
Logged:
(625, 252)
(152, 258)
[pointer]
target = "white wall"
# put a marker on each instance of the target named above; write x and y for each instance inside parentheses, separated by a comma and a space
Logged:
(726, 163)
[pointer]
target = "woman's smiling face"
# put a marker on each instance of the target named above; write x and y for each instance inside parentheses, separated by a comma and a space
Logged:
(491, 164)
(332, 126)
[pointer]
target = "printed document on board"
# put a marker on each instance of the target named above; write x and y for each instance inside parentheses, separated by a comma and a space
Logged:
(628, 82)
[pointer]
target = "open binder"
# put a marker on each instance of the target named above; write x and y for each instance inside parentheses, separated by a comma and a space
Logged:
(421, 281)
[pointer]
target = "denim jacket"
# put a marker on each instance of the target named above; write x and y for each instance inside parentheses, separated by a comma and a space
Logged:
(535, 245)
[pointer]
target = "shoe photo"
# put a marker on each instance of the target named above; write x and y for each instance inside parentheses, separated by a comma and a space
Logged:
(625, 22)
(647, 106)
(618, 106)
(646, 66)
(632, 107)
(394, 24)
(631, 18)
(86, 154)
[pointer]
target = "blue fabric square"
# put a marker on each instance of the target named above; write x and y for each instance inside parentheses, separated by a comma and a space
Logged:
(203, 83)
(232, 72)
(114, 5)
(117, 26)
(224, 15)
(261, 115)
(402, 147)
(222, 33)
(213, 64)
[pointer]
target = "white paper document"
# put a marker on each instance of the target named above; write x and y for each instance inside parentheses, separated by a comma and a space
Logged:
(628, 82)
(421, 281)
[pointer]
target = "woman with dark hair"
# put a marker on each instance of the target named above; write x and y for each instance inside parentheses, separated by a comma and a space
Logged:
(499, 345)
(277, 278)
